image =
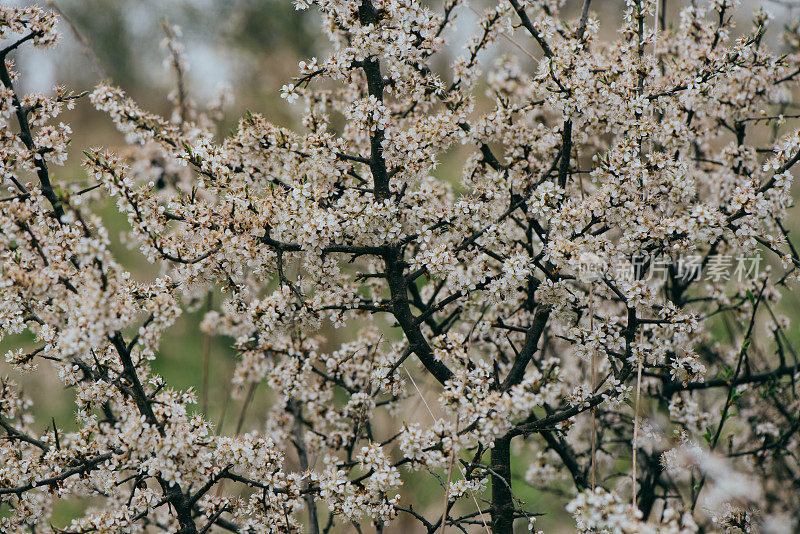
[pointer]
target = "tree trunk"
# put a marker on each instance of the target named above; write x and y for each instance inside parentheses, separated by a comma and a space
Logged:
(502, 502)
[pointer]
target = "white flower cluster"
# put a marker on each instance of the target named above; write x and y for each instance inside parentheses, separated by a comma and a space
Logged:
(31, 21)
(401, 328)
(602, 511)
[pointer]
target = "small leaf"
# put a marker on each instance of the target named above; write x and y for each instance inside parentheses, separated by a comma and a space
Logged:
(745, 345)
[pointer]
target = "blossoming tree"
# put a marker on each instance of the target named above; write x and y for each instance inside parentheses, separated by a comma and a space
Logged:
(532, 323)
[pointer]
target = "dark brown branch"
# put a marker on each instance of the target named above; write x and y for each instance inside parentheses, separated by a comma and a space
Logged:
(26, 137)
(532, 336)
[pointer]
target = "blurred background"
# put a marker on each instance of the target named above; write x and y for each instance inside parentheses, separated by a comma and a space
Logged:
(249, 48)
